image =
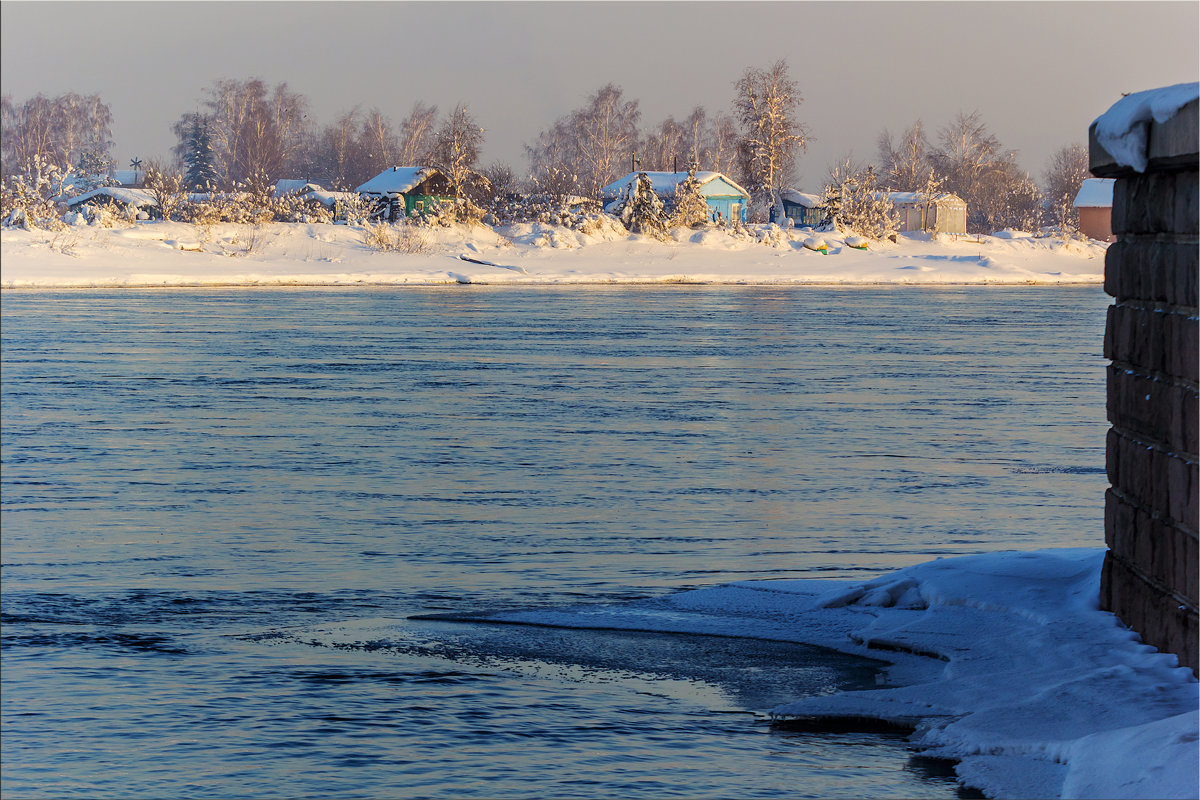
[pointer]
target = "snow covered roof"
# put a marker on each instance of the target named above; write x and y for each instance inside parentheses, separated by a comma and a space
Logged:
(397, 180)
(1123, 130)
(329, 198)
(802, 198)
(128, 176)
(664, 183)
(287, 186)
(130, 197)
(1095, 193)
(902, 198)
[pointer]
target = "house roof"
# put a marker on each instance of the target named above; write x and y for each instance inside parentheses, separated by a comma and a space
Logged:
(900, 198)
(664, 183)
(802, 198)
(288, 186)
(130, 197)
(1095, 193)
(329, 198)
(397, 180)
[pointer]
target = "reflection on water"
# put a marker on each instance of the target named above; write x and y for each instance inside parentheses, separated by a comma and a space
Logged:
(190, 476)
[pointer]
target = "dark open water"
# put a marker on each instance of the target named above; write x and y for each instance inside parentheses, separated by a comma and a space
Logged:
(191, 479)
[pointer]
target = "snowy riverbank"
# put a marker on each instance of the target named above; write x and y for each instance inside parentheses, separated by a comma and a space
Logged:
(178, 254)
(1001, 661)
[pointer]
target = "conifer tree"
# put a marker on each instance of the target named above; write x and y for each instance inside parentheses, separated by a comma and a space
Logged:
(689, 209)
(643, 211)
(198, 156)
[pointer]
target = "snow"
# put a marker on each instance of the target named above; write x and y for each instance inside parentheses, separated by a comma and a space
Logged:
(1123, 130)
(322, 254)
(1095, 193)
(1001, 661)
(397, 180)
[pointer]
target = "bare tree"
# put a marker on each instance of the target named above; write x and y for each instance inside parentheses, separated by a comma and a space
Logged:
(456, 150)
(594, 144)
(979, 170)
(417, 135)
(257, 133)
(722, 150)
(765, 103)
(56, 130)
(904, 166)
(1065, 173)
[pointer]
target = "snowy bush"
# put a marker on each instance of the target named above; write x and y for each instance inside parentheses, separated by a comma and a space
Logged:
(109, 214)
(167, 190)
(27, 199)
(856, 203)
(402, 237)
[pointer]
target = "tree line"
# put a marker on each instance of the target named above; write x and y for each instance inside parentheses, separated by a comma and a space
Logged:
(248, 133)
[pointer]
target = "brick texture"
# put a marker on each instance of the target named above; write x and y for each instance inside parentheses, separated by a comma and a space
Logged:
(1152, 337)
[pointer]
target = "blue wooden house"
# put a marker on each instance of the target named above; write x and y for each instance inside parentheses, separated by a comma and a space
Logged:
(806, 210)
(725, 199)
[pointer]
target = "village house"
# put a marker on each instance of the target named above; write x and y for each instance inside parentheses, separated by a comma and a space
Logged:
(1094, 201)
(805, 210)
(917, 211)
(408, 190)
(725, 199)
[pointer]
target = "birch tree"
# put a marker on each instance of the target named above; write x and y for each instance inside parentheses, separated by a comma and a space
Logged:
(904, 165)
(456, 150)
(765, 103)
(593, 145)
(1064, 174)
(55, 130)
(417, 135)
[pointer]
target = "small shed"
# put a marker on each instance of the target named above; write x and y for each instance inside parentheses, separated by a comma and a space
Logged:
(416, 188)
(918, 211)
(1094, 201)
(725, 199)
(806, 210)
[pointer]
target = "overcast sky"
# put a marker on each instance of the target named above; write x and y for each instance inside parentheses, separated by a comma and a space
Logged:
(1038, 73)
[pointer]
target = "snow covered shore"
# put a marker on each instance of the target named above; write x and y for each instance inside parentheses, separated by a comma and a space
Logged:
(179, 254)
(1001, 661)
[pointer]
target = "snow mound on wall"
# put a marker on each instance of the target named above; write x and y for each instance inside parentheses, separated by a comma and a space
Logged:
(1123, 130)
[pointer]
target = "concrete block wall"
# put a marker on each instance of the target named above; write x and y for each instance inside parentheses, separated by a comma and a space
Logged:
(1152, 338)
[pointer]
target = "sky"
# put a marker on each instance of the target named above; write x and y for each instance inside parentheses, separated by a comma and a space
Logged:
(1037, 72)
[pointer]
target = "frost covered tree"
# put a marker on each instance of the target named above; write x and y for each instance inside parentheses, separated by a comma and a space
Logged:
(53, 130)
(594, 144)
(417, 135)
(1064, 174)
(198, 159)
(93, 167)
(643, 211)
(765, 103)
(689, 208)
(456, 150)
(256, 130)
(856, 202)
(167, 188)
(904, 165)
(1007, 197)
(975, 167)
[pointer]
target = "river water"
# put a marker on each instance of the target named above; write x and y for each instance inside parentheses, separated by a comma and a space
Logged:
(193, 479)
